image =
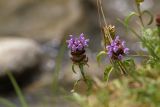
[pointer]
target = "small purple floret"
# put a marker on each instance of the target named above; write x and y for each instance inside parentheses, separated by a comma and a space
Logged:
(77, 44)
(117, 49)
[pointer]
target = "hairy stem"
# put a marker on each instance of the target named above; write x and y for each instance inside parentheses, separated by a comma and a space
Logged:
(124, 70)
(86, 80)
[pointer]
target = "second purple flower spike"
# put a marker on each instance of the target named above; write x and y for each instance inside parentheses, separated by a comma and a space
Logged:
(116, 50)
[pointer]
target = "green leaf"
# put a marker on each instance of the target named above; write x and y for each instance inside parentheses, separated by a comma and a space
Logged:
(131, 61)
(127, 19)
(17, 90)
(157, 49)
(107, 72)
(150, 14)
(147, 33)
(99, 55)
(129, 28)
(129, 64)
(6, 102)
(73, 68)
(75, 84)
(155, 32)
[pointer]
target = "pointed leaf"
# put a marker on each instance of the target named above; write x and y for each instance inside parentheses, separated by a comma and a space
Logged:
(6, 102)
(17, 89)
(129, 64)
(73, 68)
(150, 14)
(75, 84)
(99, 55)
(107, 72)
(127, 19)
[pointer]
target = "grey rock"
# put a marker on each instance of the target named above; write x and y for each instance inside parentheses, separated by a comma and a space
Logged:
(22, 57)
(38, 19)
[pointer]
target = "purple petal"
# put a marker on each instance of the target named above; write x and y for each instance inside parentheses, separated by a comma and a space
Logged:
(113, 43)
(74, 48)
(79, 47)
(85, 44)
(77, 43)
(117, 38)
(126, 50)
(69, 45)
(87, 40)
(82, 35)
(115, 48)
(110, 53)
(123, 43)
(108, 47)
(120, 57)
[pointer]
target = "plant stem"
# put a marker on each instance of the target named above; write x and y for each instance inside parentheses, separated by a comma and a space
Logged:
(140, 14)
(147, 56)
(82, 72)
(116, 67)
(17, 89)
(87, 80)
(158, 28)
(106, 35)
(100, 23)
(101, 8)
(75, 84)
(124, 70)
(58, 64)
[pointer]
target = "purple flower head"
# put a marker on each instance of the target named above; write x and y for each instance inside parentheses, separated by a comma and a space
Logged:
(116, 50)
(77, 44)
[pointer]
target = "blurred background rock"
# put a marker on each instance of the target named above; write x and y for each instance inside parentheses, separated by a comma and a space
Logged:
(31, 32)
